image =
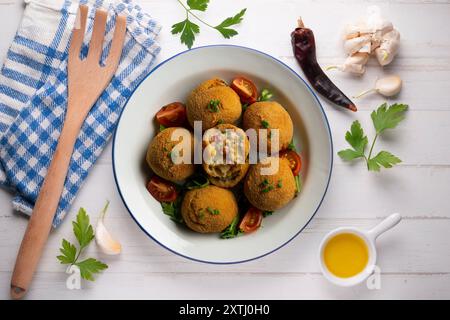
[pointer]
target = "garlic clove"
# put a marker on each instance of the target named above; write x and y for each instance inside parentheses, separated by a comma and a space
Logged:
(105, 241)
(388, 48)
(354, 45)
(389, 86)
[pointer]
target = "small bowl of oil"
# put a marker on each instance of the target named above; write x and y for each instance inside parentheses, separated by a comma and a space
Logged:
(348, 255)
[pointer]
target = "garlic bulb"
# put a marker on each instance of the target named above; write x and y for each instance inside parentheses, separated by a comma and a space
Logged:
(388, 86)
(105, 241)
(371, 34)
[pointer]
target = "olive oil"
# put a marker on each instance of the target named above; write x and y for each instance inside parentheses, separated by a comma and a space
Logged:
(346, 255)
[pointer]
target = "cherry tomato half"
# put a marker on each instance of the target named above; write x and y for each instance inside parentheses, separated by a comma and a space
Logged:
(246, 89)
(162, 190)
(251, 221)
(172, 115)
(295, 162)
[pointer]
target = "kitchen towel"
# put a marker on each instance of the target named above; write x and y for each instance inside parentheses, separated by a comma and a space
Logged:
(33, 94)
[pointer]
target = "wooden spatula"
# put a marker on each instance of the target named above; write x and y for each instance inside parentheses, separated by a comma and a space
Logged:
(86, 81)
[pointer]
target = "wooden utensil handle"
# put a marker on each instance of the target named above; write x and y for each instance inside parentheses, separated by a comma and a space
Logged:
(44, 210)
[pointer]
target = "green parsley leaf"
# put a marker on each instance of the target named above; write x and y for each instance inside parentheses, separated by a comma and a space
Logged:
(188, 30)
(173, 210)
(223, 27)
(82, 228)
(200, 5)
(356, 138)
(265, 95)
(383, 118)
(349, 154)
(291, 145)
(90, 266)
(69, 252)
(84, 233)
(267, 213)
(388, 117)
(232, 230)
(213, 105)
(383, 158)
(265, 124)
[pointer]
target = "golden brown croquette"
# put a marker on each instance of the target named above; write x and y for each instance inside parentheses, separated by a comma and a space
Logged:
(270, 115)
(159, 156)
(209, 209)
(213, 102)
(270, 192)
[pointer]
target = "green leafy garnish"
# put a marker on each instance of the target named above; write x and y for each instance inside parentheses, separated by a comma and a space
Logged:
(213, 211)
(188, 29)
(173, 210)
(266, 213)
(265, 95)
(162, 127)
(383, 118)
(224, 26)
(291, 145)
(298, 184)
(265, 124)
(232, 230)
(84, 233)
(197, 182)
(244, 107)
(279, 184)
(213, 105)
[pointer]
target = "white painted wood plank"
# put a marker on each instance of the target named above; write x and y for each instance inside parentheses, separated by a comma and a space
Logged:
(232, 286)
(414, 246)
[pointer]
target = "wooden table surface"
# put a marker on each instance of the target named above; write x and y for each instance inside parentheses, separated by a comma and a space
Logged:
(414, 258)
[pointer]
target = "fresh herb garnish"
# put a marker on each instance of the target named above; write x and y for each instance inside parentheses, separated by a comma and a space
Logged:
(266, 213)
(298, 184)
(162, 127)
(197, 182)
(213, 211)
(70, 254)
(201, 214)
(232, 230)
(213, 105)
(265, 124)
(244, 106)
(265, 95)
(173, 210)
(269, 188)
(291, 145)
(383, 118)
(279, 184)
(220, 121)
(188, 29)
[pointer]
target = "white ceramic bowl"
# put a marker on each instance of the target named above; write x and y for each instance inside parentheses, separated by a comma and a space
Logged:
(171, 81)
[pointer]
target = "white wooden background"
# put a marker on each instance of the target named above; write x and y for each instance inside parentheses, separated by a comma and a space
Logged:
(414, 258)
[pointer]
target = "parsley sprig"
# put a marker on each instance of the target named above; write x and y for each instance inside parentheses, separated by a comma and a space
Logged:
(383, 118)
(189, 29)
(70, 254)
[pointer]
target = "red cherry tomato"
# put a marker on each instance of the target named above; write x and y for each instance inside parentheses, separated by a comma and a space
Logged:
(251, 221)
(246, 89)
(172, 115)
(295, 162)
(162, 190)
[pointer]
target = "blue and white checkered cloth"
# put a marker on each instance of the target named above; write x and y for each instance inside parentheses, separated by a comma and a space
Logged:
(33, 94)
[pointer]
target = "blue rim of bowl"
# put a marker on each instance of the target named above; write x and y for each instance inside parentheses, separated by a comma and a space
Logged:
(324, 118)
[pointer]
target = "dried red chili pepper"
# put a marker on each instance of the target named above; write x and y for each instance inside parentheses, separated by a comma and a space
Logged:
(304, 47)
